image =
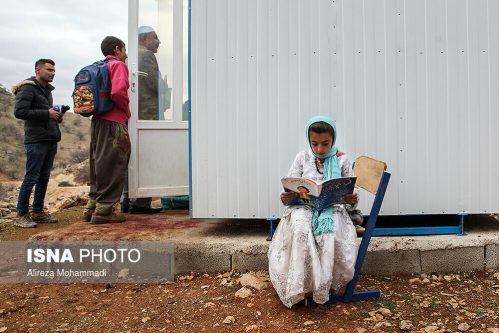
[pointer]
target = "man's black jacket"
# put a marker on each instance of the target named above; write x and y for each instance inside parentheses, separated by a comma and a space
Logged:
(32, 104)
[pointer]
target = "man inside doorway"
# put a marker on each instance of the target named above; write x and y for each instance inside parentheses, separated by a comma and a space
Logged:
(152, 104)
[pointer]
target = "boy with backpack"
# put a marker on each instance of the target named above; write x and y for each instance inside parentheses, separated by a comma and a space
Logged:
(109, 142)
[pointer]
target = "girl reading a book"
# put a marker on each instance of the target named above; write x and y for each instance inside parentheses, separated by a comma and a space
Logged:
(313, 253)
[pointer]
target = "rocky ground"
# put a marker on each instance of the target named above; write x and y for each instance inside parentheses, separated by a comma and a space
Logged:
(65, 190)
(467, 302)
(230, 302)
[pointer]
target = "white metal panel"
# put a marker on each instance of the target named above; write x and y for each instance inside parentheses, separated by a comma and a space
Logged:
(411, 83)
(163, 172)
(458, 103)
(490, 196)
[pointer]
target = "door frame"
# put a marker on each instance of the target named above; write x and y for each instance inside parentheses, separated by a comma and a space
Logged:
(134, 125)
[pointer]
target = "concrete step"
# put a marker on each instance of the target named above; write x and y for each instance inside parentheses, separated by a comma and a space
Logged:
(222, 245)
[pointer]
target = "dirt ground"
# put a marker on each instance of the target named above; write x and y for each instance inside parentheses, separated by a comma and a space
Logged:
(467, 302)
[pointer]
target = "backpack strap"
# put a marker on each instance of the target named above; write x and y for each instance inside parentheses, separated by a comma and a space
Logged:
(339, 153)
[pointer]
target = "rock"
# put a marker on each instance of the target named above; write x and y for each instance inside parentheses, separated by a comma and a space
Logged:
(205, 287)
(226, 282)
(360, 330)
(431, 328)
(309, 322)
(426, 280)
(145, 319)
(251, 328)
(3, 329)
(447, 278)
(244, 292)
(405, 325)
(415, 280)
(463, 327)
(385, 312)
(252, 280)
(208, 305)
(58, 198)
(493, 329)
(123, 273)
(229, 320)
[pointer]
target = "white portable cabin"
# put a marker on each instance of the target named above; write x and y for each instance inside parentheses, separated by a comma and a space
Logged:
(413, 83)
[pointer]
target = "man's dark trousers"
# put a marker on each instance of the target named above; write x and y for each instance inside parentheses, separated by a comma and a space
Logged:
(39, 161)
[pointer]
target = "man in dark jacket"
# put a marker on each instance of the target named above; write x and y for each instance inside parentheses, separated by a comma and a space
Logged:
(41, 134)
(148, 107)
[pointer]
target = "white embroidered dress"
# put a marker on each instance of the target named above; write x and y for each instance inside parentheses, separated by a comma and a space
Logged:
(300, 262)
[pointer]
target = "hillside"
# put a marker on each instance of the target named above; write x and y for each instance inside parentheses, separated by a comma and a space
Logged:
(72, 149)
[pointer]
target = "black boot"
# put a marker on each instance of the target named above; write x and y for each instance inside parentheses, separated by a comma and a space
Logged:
(125, 205)
(144, 210)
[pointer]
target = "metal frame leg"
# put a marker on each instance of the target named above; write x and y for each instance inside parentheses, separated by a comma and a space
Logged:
(461, 216)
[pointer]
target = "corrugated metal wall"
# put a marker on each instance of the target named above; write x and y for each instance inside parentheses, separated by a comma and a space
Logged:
(413, 83)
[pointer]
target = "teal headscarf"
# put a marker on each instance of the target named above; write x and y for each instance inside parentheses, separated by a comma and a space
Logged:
(323, 222)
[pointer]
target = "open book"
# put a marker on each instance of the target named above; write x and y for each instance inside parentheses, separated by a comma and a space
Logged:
(318, 194)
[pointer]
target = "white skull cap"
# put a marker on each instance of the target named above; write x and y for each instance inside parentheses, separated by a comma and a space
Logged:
(145, 29)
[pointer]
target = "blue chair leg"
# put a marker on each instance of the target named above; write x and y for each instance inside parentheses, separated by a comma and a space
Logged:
(350, 295)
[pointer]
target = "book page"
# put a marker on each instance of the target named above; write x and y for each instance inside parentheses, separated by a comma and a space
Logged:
(303, 186)
(333, 191)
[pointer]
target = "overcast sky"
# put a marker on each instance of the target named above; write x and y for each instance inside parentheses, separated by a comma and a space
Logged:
(66, 31)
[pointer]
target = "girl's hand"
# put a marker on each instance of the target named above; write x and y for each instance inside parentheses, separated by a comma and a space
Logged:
(351, 198)
(286, 197)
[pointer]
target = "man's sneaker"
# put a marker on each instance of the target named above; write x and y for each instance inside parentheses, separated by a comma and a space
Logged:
(42, 217)
(24, 221)
(104, 219)
(87, 214)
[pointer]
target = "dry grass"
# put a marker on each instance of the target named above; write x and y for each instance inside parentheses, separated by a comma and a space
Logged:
(72, 149)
